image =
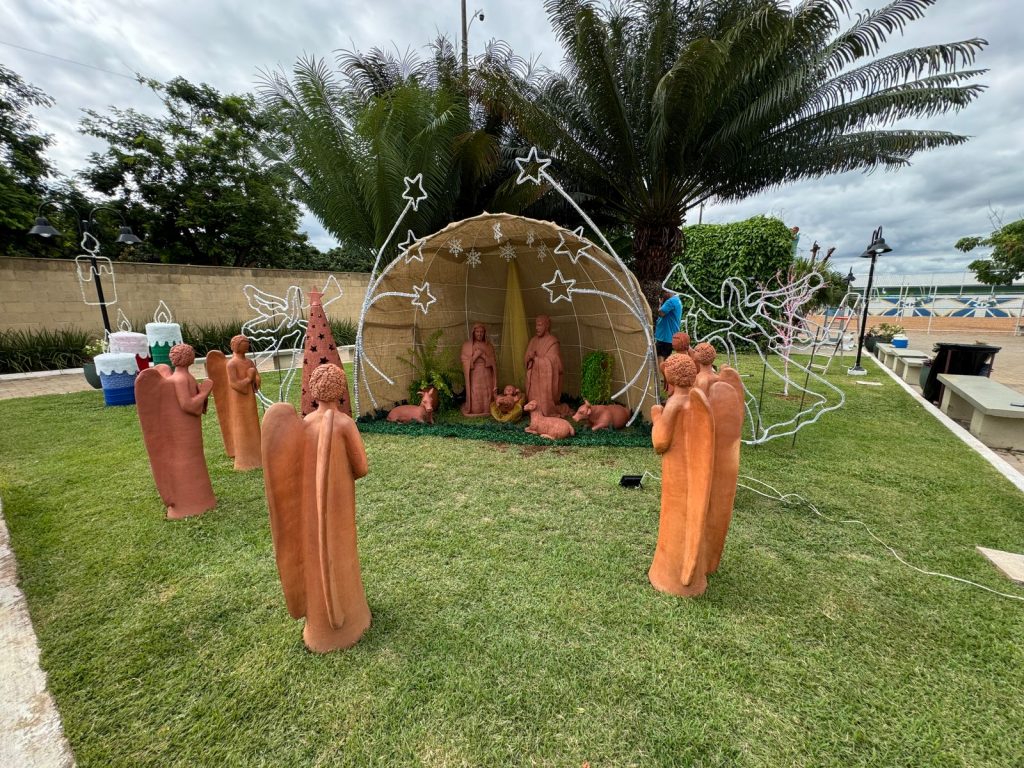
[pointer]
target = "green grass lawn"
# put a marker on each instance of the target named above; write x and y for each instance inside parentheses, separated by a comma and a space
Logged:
(512, 618)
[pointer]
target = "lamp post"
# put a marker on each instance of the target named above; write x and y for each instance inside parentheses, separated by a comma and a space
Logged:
(477, 14)
(43, 228)
(877, 248)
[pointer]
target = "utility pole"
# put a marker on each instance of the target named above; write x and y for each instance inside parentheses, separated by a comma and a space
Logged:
(465, 41)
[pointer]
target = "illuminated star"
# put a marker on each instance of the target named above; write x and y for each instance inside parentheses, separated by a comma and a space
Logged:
(558, 288)
(423, 298)
(473, 258)
(533, 162)
(412, 250)
(414, 191)
(507, 251)
(564, 249)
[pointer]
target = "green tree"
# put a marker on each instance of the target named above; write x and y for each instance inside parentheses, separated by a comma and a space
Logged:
(663, 104)
(194, 182)
(24, 169)
(349, 136)
(1006, 263)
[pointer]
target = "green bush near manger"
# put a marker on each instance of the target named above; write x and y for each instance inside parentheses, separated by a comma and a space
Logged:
(513, 622)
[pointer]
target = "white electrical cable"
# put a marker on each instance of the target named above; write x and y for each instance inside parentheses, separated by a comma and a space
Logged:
(795, 498)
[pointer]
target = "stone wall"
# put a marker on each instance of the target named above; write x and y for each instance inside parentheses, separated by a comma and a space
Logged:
(38, 294)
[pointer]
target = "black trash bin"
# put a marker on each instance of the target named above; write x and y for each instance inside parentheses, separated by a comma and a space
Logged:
(965, 359)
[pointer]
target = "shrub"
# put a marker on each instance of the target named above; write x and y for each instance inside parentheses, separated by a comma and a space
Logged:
(596, 378)
(24, 351)
(754, 250)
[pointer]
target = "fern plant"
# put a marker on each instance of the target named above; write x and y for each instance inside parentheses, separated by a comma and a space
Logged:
(433, 368)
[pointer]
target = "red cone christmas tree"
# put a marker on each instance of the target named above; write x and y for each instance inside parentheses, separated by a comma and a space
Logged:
(319, 349)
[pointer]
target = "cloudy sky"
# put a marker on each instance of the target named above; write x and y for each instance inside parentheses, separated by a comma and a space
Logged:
(944, 195)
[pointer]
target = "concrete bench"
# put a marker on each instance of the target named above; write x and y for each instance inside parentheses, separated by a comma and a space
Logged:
(890, 355)
(909, 368)
(988, 405)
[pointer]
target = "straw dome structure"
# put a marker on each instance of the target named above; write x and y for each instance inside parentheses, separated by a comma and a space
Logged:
(503, 271)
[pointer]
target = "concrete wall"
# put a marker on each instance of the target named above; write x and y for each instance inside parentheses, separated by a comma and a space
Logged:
(40, 294)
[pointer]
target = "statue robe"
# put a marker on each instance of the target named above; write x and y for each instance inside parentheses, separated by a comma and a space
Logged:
(480, 368)
(310, 469)
(544, 377)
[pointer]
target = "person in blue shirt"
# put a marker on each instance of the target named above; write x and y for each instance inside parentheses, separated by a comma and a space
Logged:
(669, 316)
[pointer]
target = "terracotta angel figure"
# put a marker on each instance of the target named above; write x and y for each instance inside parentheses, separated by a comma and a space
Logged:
(480, 369)
(310, 469)
(235, 383)
(698, 437)
(544, 370)
(170, 407)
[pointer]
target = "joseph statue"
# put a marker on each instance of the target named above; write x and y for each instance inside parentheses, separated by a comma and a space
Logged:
(544, 369)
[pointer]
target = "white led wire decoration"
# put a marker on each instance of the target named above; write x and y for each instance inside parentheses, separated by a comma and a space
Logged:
(124, 325)
(162, 313)
(753, 320)
(573, 244)
(86, 273)
(280, 324)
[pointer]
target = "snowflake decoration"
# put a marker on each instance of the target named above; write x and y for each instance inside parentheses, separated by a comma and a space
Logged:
(530, 237)
(423, 298)
(496, 227)
(542, 251)
(532, 162)
(414, 192)
(473, 258)
(507, 251)
(455, 246)
(564, 249)
(558, 288)
(407, 249)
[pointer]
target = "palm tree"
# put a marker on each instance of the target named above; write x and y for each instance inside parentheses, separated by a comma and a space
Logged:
(349, 137)
(663, 104)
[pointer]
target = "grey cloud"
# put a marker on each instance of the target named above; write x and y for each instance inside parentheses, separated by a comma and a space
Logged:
(925, 208)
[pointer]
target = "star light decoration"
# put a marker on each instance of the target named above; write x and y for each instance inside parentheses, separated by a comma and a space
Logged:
(565, 248)
(423, 298)
(558, 288)
(455, 246)
(533, 162)
(411, 249)
(473, 258)
(507, 251)
(414, 191)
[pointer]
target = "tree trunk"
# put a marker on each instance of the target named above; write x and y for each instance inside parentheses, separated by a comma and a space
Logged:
(654, 249)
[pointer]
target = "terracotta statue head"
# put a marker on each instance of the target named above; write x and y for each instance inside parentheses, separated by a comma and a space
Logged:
(704, 354)
(182, 355)
(530, 406)
(327, 383)
(680, 341)
(542, 324)
(511, 391)
(479, 332)
(240, 343)
(680, 371)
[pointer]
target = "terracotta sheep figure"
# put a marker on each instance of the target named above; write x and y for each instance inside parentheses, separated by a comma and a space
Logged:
(602, 416)
(423, 413)
(550, 427)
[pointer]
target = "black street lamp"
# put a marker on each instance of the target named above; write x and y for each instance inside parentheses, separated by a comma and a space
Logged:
(877, 248)
(43, 228)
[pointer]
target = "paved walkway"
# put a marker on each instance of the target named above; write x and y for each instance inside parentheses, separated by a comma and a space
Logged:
(30, 729)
